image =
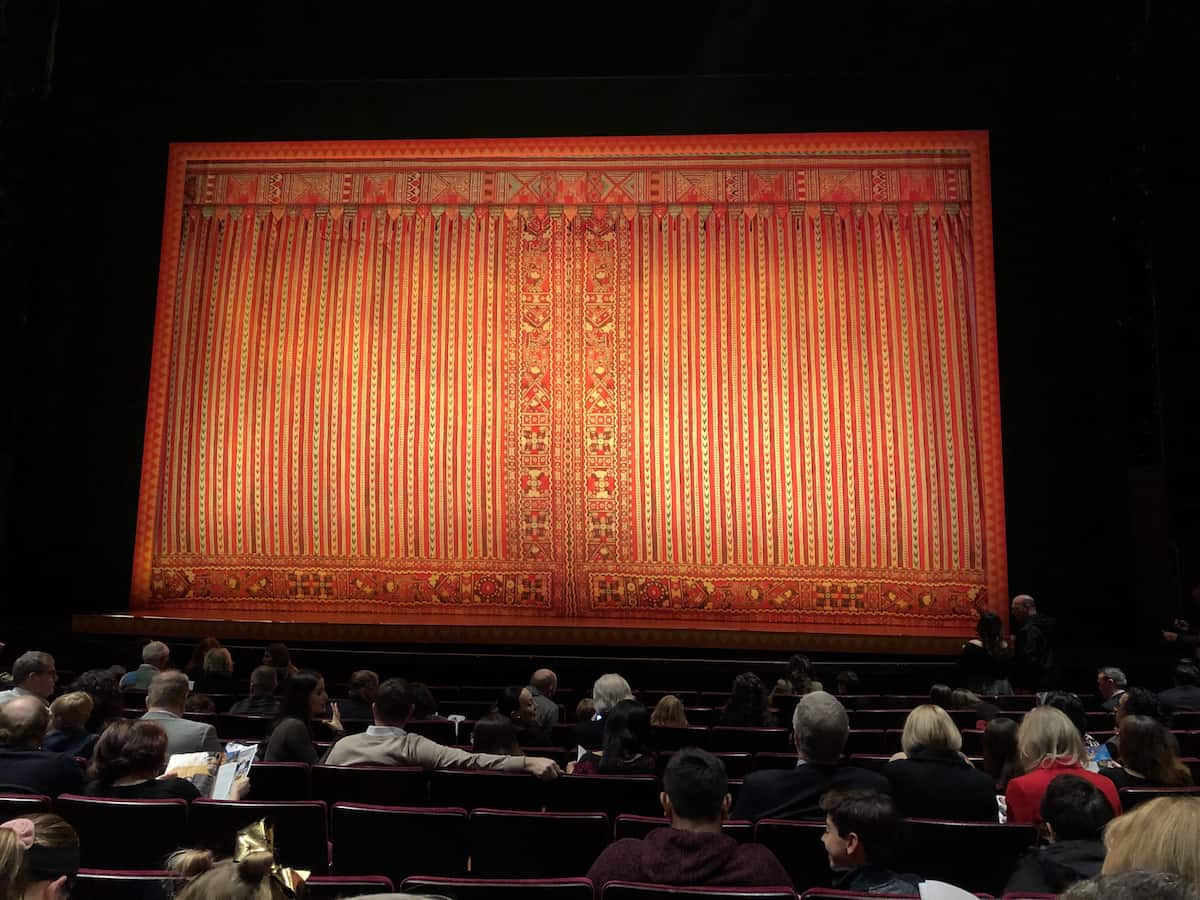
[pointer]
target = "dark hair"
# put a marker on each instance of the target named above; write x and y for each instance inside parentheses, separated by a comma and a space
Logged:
(748, 703)
(199, 652)
(509, 701)
(128, 748)
(1146, 749)
(870, 815)
(696, 782)
(799, 672)
(1186, 673)
(1071, 705)
(199, 703)
(364, 680)
(990, 629)
(1000, 751)
(1138, 701)
(394, 700)
(1133, 886)
(847, 681)
(626, 734)
(280, 657)
(1075, 808)
(295, 704)
(941, 695)
(424, 705)
(494, 733)
(103, 686)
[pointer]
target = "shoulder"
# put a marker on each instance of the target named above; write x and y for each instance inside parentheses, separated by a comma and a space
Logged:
(860, 777)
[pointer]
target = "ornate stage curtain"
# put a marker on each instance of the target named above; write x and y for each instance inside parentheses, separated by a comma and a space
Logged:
(710, 390)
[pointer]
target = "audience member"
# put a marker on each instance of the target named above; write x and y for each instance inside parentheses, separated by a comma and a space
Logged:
(1135, 702)
(934, 780)
(386, 742)
(217, 677)
(626, 744)
(279, 658)
(303, 703)
(1049, 746)
(494, 734)
(68, 733)
(424, 704)
(941, 695)
(692, 851)
(25, 768)
(34, 675)
(1110, 684)
(103, 686)
(156, 657)
(364, 684)
(1033, 652)
(1148, 758)
(819, 728)
(585, 709)
(747, 706)
(253, 877)
(262, 700)
(200, 703)
(801, 675)
(543, 685)
(1075, 813)
(39, 856)
(961, 698)
(607, 692)
(165, 702)
(986, 662)
(1133, 886)
(129, 758)
(1185, 696)
(1073, 708)
(847, 682)
(1000, 760)
(669, 713)
(195, 667)
(516, 702)
(861, 828)
(1160, 836)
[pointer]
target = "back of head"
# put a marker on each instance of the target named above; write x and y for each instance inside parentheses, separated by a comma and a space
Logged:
(930, 727)
(295, 702)
(608, 691)
(72, 710)
(1116, 676)
(1071, 706)
(942, 695)
(1160, 836)
(218, 659)
(32, 662)
(278, 655)
(1000, 750)
(127, 748)
(961, 698)
(626, 732)
(509, 701)
(1138, 701)
(870, 815)
(494, 733)
(225, 880)
(1076, 809)
(364, 684)
(747, 701)
(821, 727)
(1046, 735)
(990, 629)
(23, 722)
(168, 690)
(424, 704)
(799, 672)
(1132, 886)
(263, 681)
(696, 784)
(1186, 674)
(544, 681)
(200, 651)
(669, 712)
(585, 709)
(156, 653)
(394, 702)
(53, 852)
(1146, 748)
(847, 681)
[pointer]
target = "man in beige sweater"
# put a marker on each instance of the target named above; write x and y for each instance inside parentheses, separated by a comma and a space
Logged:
(386, 743)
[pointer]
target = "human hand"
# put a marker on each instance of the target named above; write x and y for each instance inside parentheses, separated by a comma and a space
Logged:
(1170, 636)
(540, 767)
(241, 789)
(336, 722)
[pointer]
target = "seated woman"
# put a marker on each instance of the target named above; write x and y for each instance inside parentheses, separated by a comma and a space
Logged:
(39, 855)
(128, 763)
(517, 703)
(934, 780)
(668, 713)
(1049, 745)
(279, 658)
(626, 744)
(747, 705)
(1160, 836)
(494, 734)
(68, 733)
(217, 677)
(1000, 752)
(986, 660)
(801, 675)
(195, 667)
(1148, 757)
(303, 703)
(961, 698)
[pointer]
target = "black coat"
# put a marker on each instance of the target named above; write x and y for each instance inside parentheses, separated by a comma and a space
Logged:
(940, 784)
(796, 793)
(590, 734)
(1185, 697)
(23, 770)
(1053, 869)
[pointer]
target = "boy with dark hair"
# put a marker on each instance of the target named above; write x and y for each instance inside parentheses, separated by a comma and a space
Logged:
(693, 851)
(860, 832)
(1075, 813)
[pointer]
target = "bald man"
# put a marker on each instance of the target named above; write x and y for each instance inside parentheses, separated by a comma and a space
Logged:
(543, 685)
(24, 766)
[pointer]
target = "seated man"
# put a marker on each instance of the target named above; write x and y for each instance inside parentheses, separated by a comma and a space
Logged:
(363, 685)
(693, 851)
(262, 700)
(25, 768)
(1110, 684)
(543, 685)
(156, 657)
(1075, 813)
(1185, 696)
(386, 743)
(819, 728)
(164, 704)
(34, 675)
(860, 831)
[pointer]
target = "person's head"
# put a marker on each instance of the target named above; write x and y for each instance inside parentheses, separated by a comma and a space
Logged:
(104, 687)
(585, 709)
(545, 682)
(1187, 674)
(136, 748)
(1046, 735)
(747, 701)
(39, 856)
(23, 722)
(156, 654)
(1000, 750)
(169, 691)
(820, 727)
(277, 655)
(218, 659)
(494, 733)
(941, 695)
(961, 698)
(1074, 809)
(263, 681)
(669, 712)
(71, 710)
(304, 697)
(1132, 886)
(516, 702)
(1023, 606)
(364, 684)
(424, 704)
(393, 703)
(626, 732)
(1160, 836)
(990, 629)
(800, 673)
(695, 792)
(1147, 749)
(930, 727)
(224, 880)
(35, 672)
(199, 703)
(1137, 702)
(860, 828)
(1109, 680)
(847, 681)
(608, 691)
(1071, 706)
(200, 651)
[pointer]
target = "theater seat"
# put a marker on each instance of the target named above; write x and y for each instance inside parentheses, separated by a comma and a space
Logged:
(629, 890)
(667, 739)
(749, 740)
(470, 788)
(976, 856)
(301, 836)
(499, 888)
(506, 843)
(737, 765)
(125, 834)
(339, 887)
(627, 826)
(1131, 797)
(13, 806)
(611, 794)
(280, 781)
(440, 730)
(390, 785)
(832, 894)
(232, 726)
(103, 884)
(365, 840)
(797, 845)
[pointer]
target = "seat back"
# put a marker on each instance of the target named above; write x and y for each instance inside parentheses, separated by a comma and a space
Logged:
(337, 887)
(280, 781)
(125, 834)
(14, 806)
(749, 740)
(976, 856)
(737, 765)
(1131, 797)
(667, 739)
(365, 840)
(389, 785)
(798, 847)
(233, 726)
(611, 794)
(865, 741)
(103, 884)
(470, 788)
(775, 761)
(627, 826)
(506, 843)
(440, 730)
(882, 719)
(629, 890)
(301, 836)
(500, 888)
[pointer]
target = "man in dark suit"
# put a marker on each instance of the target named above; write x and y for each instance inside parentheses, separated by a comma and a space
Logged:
(1186, 693)
(24, 766)
(820, 728)
(1110, 684)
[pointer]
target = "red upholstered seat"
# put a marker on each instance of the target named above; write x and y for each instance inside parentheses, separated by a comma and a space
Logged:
(391, 785)
(628, 890)
(611, 794)
(365, 840)
(125, 834)
(13, 806)
(105, 884)
(500, 888)
(337, 887)
(737, 765)
(667, 739)
(470, 788)
(1131, 797)
(301, 836)
(797, 845)
(701, 715)
(280, 781)
(506, 843)
(627, 826)
(749, 740)
(976, 856)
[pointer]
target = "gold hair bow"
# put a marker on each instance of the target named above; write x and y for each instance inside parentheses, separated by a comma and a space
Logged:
(260, 838)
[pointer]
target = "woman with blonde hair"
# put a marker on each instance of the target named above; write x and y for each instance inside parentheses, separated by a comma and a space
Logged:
(38, 856)
(1049, 745)
(668, 713)
(932, 779)
(1160, 836)
(217, 677)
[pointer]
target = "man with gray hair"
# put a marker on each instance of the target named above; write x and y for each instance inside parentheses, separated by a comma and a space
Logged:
(34, 675)
(820, 727)
(164, 706)
(1111, 684)
(607, 692)
(156, 656)
(543, 684)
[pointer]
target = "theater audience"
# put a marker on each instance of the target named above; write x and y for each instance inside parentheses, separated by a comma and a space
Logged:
(1148, 758)
(1075, 813)
(801, 675)
(302, 704)
(217, 676)
(25, 768)
(165, 703)
(585, 709)
(1049, 746)
(156, 657)
(262, 700)
(34, 675)
(1033, 651)
(279, 658)
(607, 692)
(364, 684)
(1133, 886)
(934, 780)
(1110, 684)
(626, 744)
(669, 713)
(543, 685)
(861, 828)
(129, 758)
(820, 728)
(986, 661)
(1160, 836)
(747, 706)
(1184, 696)
(494, 734)
(195, 667)
(39, 856)
(1000, 752)
(68, 733)
(386, 743)
(516, 702)
(692, 851)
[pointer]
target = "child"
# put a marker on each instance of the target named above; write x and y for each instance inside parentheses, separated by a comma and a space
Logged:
(860, 831)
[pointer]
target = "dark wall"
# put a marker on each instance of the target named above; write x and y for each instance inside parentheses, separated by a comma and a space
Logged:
(1097, 381)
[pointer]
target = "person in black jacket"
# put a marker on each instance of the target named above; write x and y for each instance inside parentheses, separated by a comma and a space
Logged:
(1186, 693)
(1075, 813)
(934, 780)
(1033, 652)
(820, 727)
(25, 768)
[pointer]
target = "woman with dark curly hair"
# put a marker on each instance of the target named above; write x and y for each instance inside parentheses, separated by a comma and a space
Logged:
(748, 703)
(127, 763)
